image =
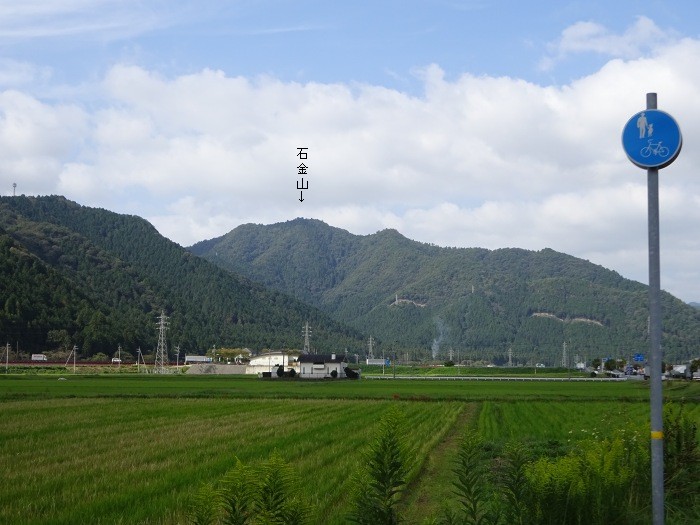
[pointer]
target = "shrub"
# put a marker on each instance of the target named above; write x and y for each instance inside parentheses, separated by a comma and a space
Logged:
(681, 465)
(378, 489)
(266, 493)
(513, 484)
(473, 486)
(602, 482)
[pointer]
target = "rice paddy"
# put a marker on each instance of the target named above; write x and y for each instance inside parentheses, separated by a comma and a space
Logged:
(134, 449)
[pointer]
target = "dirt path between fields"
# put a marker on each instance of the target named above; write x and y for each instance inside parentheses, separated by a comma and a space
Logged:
(425, 496)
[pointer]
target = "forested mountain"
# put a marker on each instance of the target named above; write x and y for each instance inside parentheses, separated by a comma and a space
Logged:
(424, 298)
(77, 275)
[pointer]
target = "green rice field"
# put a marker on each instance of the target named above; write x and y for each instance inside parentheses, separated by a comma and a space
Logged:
(134, 449)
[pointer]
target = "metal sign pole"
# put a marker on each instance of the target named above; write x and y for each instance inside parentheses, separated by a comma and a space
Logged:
(656, 396)
(652, 140)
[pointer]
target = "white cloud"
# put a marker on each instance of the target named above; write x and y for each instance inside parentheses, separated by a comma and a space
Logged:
(35, 139)
(14, 73)
(636, 41)
(101, 19)
(475, 161)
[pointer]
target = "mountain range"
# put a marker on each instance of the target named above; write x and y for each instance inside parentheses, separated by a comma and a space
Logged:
(433, 301)
(74, 275)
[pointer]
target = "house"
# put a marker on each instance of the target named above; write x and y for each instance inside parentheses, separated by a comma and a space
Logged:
(681, 372)
(270, 362)
(321, 366)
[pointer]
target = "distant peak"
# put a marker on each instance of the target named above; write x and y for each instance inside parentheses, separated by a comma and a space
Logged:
(390, 232)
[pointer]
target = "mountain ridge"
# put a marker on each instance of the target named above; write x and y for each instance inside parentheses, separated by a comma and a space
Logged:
(87, 276)
(476, 300)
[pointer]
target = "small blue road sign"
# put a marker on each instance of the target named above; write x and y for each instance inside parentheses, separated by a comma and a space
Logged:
(638, 358)
(652, 139)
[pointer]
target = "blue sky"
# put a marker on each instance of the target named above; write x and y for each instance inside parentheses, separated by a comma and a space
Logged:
(382, 42)
(461, 123)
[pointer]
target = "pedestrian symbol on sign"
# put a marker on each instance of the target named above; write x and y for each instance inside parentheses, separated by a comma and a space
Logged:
(642, 125)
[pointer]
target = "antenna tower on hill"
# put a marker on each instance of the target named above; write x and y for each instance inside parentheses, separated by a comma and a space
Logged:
(306, 333)
(162, 352)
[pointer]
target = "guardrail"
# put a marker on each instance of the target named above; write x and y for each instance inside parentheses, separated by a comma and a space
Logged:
(495, 378)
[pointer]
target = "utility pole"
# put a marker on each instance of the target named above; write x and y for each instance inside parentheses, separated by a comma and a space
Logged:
(7, 357)
(159, 367)
(177, 358)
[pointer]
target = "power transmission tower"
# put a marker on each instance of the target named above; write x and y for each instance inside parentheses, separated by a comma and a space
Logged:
(370, 355)
(306, 333)
(510, 357)
(564, 357)
(162, 352)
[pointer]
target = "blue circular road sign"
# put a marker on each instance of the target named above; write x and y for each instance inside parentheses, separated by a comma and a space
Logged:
(652, 139)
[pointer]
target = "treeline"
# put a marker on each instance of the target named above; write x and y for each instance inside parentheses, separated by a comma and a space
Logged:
(74, 275)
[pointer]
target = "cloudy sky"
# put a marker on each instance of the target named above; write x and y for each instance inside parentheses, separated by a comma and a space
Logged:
(457, 122)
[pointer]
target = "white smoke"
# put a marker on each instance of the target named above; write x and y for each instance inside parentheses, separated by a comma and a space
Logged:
(441, 334)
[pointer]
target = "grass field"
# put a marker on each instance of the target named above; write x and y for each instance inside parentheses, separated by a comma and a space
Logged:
(133, 449)
(244, 387)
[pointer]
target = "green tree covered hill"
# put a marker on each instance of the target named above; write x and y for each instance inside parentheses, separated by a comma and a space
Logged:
(424, 298)
(70, 274)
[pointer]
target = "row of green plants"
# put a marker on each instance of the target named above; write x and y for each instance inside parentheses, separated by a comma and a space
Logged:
(596, 482)
(136, 449)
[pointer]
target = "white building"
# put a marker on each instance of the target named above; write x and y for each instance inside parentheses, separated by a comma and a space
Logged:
(321, 366)
(192, 359)
(270, 362)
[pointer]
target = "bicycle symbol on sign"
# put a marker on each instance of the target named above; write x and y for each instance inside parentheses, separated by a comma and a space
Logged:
(656, 149)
